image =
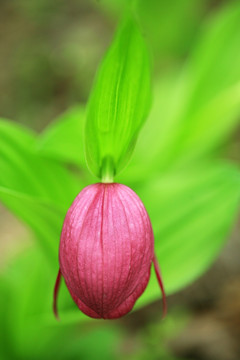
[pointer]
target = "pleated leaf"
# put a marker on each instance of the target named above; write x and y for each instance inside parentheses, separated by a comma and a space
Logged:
(119, 102)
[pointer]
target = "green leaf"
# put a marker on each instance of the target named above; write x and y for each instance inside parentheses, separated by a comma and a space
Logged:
(195, 108)
(26, 307)
(24, 170)
(63, 138)
(119, 102)
(179, 24)
(43, 217)
(213, 105)
(37, 190)
(192, 213)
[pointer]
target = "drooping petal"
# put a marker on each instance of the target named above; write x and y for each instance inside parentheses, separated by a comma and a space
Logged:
(55, 294)
(159, 278)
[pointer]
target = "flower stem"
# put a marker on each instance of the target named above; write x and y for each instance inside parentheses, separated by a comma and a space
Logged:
(107, 171)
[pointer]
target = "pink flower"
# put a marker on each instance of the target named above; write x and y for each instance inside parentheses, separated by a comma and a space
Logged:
(106, 251)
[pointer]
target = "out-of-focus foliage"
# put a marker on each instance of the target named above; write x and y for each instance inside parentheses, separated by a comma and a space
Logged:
(192, 195)
(198, 106)
(192, 211)
(153, 340)
(32, 186)
(26, 292)
(61, 133)
(170, 26)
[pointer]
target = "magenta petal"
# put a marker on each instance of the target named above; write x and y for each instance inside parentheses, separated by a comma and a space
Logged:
(106, 250)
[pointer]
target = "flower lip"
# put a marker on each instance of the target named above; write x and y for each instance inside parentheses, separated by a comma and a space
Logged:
(106, 251)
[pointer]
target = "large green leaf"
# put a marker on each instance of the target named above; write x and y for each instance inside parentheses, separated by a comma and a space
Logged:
(213, 93)
(119, 102)
(171, 26)
(26, 298)
(37, 190)
(63, 138)
(43, 217)
(195, 109)
(24, 170)
(192, 213)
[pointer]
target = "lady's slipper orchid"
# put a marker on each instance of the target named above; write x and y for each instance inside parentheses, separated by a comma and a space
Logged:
(106, 251)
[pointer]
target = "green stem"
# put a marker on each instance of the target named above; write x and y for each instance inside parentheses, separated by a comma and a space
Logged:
(107, 173)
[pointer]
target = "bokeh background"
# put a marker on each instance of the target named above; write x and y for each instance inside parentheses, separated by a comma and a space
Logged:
(185, 168)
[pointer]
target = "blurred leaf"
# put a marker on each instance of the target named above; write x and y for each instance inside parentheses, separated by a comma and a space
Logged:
(195, 109)
(27, 295)
(171, 26)
(155, 337)
(155, 131)
(22, 169)
(116, 8)
(192, 213)
(63, 138)
(213, 105)
(37, 190)
(27, 290)
(119, 101)
(43, 217)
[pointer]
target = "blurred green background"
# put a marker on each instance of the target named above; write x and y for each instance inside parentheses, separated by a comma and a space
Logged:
(185, 168)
